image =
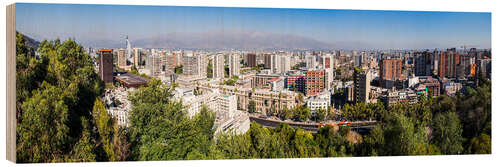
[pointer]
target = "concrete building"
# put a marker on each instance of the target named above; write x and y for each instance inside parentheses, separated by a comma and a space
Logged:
(137, 57)
(106, 65)
(321, 101)
(432, 85)
(285, 63)
(268, 61)
(122, 58)
(195, 65)
(261, 81)
(218, 66)
(328, 65)
(310, 61)
(276, 84)
(265, 100)
(390, 72)
(423, 62)
(315, 82)
(234, 65)
(295, 82)
(362, 87)
(251, 60)
(154, 64)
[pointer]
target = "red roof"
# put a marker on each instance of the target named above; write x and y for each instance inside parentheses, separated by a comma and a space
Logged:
(274, 79)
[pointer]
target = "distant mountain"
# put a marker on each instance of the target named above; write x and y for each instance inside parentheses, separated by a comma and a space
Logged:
(218, 40)
(30, 42)
(231, 39)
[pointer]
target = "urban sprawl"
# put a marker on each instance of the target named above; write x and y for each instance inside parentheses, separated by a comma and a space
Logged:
(243, 86)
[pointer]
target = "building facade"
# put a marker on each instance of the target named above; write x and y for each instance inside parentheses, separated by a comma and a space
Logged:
(106, 65)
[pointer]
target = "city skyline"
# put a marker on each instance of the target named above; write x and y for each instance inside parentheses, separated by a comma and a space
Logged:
(261, 28)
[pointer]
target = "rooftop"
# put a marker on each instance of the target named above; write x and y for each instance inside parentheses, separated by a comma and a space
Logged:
(131, 80)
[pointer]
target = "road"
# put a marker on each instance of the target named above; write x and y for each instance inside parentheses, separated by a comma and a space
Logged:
(313, 127)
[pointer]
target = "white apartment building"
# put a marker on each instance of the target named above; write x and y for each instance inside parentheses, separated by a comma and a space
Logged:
(218, 66)
(285, 63)
(195, 65)
(321, 101)
(154, 64)
(234, 65)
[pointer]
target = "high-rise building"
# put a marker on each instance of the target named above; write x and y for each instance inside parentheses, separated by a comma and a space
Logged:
(218, 66)
(315, 82)
(276, 64)
(449, 61)
(390, 69)
(137, 57)
(268, 61)
(310, 61)
(328, 65)
(122, 58)
(154, 64)
(234, 65)
(362, 88)
(171, 62)
(251, 60)
(106, 65)
(195, 65)
(284, 63)
(295, 83)
(423, 62)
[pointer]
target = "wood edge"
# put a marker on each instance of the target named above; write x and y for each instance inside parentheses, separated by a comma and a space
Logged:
(11, 83)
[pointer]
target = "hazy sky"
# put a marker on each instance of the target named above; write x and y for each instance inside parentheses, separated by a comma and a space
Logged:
(342, 28)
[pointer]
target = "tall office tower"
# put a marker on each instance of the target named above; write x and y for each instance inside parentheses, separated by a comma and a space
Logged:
(122, 58)
(251, 60)
(423, 62)
(362, 88)
(234, 65)
(310, 61)
(137, 57)
(284, 63)
(129, 50)
(154, 64)
(315, 82)
(106, 65)
(218, 66)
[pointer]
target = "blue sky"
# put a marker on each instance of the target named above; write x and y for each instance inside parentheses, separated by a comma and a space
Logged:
(344, 28)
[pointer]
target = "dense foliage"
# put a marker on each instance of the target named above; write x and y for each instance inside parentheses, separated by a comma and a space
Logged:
(56, 90)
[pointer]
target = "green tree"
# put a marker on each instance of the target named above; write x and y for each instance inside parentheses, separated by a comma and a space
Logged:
(84, 149)
(304, 144)
(43, 133)
(480, 145)
(251, 107)
(113, 142)
(178, 69)
(321, 114)
(160, 128)
(447, 131)
(210, 72)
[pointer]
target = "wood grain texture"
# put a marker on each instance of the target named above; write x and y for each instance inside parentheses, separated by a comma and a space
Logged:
(11, 83)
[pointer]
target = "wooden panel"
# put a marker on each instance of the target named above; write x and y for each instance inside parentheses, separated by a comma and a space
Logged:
(11, 83)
